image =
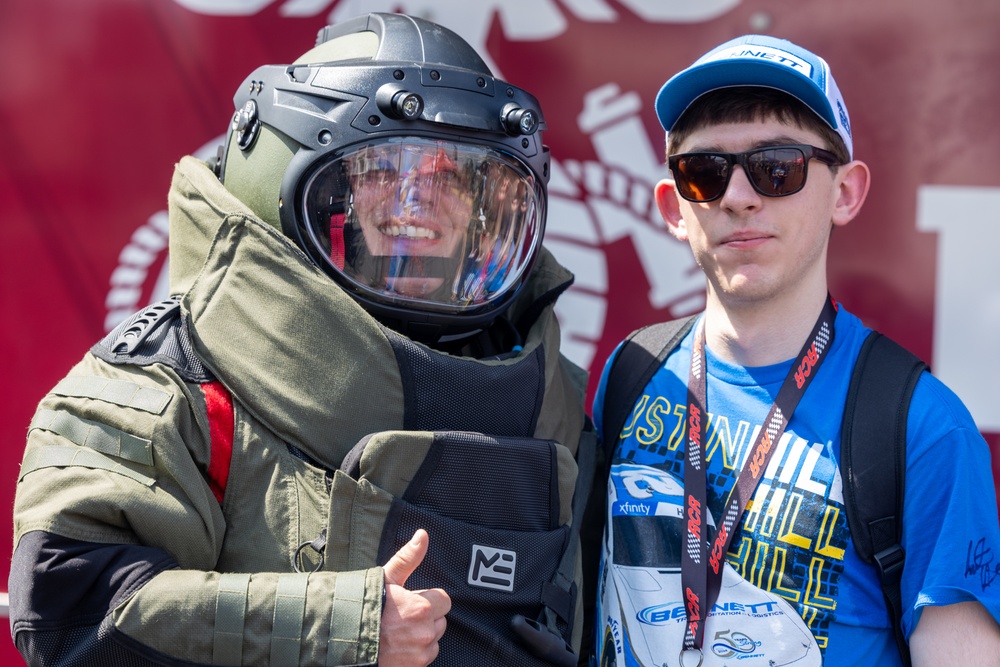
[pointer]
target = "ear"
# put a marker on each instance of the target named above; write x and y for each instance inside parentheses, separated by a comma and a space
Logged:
(666, 200)
(852, 183)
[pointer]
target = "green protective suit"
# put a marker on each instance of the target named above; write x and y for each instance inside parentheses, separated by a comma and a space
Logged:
(122, 548)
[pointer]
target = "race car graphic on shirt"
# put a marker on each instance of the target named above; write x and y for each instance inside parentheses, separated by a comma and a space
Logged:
(640, 596)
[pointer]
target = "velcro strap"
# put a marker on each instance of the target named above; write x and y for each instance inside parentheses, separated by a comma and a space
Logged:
(94, 435)
(119, 392)
(230, 619)
(559, 600)
(289, 617)
(62, 456)
(345, 619)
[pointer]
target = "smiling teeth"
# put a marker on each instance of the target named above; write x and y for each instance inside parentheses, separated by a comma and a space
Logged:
(410, 231)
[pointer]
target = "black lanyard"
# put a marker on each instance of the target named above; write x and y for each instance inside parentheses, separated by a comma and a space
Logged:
(701, 563)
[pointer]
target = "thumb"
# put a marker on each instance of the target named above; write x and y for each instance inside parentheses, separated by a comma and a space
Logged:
(405, 561)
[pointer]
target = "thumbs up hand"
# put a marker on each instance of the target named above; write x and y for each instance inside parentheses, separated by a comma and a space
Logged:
(412, 621)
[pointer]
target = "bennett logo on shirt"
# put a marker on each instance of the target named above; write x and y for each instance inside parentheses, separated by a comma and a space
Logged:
(674, 611)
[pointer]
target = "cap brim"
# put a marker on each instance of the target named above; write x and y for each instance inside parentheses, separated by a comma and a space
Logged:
(683, 89)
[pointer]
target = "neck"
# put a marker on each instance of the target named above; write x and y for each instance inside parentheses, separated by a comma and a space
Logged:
(760, 333)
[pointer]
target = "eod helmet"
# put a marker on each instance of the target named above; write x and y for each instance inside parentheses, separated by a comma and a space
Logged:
(399, 164)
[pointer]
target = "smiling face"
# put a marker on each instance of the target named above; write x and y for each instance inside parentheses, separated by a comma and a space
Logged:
(754, 248)
(422, 224)
(411, 203)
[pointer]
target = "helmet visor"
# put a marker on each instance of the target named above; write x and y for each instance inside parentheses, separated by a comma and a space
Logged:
(424, 224)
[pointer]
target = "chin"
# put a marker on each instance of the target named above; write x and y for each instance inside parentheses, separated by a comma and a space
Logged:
(747, 290)
(415, 287)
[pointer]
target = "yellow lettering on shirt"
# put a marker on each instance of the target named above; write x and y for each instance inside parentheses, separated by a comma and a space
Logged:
(825, 537)
(787, 533)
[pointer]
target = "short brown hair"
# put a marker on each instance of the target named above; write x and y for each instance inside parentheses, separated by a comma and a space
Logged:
(745, 104)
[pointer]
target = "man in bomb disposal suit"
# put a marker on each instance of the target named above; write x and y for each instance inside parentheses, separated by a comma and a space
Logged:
(351, 420)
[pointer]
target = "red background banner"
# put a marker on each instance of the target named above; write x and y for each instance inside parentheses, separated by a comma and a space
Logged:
(102, 97)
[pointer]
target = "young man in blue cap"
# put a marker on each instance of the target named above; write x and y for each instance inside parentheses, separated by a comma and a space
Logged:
(727, 534)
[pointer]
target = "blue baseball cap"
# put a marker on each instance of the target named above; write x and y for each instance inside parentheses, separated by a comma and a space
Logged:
(758, 60)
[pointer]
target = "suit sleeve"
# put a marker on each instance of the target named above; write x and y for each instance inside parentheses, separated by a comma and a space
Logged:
(117, 535)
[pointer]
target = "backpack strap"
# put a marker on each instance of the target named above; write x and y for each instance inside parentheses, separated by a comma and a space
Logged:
(638, 359)
(873, 462)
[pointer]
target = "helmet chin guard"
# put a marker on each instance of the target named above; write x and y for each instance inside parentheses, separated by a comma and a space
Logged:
(399, 164)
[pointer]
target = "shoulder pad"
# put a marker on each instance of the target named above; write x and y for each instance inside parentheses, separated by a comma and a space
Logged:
(155, 335)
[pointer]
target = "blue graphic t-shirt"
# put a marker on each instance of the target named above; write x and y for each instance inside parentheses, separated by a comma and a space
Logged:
(794, 542)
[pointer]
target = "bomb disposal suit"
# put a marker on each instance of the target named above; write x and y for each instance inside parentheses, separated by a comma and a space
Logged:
(360, 343)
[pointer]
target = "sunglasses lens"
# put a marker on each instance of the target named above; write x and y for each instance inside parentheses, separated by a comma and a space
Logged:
(776, 172)
(701, 176)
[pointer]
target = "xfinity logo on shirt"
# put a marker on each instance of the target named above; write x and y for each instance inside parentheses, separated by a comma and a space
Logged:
(492, 568)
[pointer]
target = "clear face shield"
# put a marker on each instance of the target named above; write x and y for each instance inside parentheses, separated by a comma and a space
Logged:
(424, 224)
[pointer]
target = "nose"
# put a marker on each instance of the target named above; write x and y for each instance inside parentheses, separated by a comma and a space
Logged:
(740, 194)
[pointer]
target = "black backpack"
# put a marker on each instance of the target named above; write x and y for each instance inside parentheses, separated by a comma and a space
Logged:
(873, 439)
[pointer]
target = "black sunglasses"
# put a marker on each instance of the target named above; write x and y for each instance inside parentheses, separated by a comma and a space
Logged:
(773, 171)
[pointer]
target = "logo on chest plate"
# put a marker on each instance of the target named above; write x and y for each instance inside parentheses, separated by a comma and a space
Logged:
(492, 568)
